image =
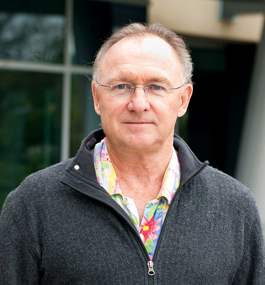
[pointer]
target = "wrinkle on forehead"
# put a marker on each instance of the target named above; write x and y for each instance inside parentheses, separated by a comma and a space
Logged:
(148, 42)
(141, 49)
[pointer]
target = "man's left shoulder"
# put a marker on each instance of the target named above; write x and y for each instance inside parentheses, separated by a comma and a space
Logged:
(228, 189)
(222, 179)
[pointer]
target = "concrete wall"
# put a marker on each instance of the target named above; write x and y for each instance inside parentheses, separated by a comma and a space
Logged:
(251, 163)
(201, 18)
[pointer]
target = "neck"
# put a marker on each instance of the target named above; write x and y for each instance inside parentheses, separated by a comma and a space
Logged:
(140, 171)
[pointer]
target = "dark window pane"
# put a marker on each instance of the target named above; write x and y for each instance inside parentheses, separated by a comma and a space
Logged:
(94, 21)
(83, 116)
(30, 119)
(31, 37)
(33, 6)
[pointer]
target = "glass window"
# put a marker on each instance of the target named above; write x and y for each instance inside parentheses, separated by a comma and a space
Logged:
(83, 116)
(94, 21)
(30, 125)
(31, 37)
(32, 104)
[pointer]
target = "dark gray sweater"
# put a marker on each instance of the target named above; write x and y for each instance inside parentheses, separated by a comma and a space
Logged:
(60, 227)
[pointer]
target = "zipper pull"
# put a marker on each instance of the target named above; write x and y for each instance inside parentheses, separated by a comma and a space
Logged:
(151, 271)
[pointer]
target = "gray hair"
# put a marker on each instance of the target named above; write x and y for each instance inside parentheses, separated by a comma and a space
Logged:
(143, 30)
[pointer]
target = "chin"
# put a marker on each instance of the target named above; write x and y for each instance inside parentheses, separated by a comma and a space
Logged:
(141, 144)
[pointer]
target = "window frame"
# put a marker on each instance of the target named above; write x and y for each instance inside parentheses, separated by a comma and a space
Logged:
(66, 69)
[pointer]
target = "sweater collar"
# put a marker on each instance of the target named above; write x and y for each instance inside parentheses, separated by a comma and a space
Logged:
(189, 163)
(82, 166)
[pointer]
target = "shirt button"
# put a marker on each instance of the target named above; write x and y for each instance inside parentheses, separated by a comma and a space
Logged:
(76, 167)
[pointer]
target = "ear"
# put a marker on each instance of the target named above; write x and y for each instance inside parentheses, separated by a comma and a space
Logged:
(185, 99)
(95, 97)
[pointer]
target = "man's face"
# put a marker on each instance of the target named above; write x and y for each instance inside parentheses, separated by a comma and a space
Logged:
(140, 123)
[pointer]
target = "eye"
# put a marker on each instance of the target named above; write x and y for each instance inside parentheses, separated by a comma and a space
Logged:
(156, 87)
(121, 86)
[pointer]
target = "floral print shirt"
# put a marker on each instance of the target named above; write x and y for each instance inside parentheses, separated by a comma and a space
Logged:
(155, 212)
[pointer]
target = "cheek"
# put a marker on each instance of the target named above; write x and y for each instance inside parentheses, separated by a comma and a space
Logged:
(110, 109)
(175, 107)
(170, 110)
(171, 116)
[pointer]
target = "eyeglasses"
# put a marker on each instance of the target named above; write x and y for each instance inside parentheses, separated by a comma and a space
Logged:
(125, 90)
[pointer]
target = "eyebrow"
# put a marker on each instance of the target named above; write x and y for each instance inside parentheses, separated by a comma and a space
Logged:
(117, 78)
(160, 79)
(154, 79)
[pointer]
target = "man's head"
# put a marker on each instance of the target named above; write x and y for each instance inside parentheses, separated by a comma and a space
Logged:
(139, 90)
(141, 31)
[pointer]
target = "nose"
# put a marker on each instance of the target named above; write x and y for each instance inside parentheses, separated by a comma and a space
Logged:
(144, 88)
(138, 101)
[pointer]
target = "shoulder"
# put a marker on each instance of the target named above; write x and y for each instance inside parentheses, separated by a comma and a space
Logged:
(53, 172)
(46, 177)
(38, 185)
(221, 181)
(227, 192)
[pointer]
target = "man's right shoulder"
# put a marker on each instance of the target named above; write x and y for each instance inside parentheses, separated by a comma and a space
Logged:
(55, 171)
(40, 183)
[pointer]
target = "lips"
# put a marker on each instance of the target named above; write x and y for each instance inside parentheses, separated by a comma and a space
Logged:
(138, 123)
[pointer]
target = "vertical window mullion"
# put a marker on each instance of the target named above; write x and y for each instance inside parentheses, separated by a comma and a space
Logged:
(66, 102)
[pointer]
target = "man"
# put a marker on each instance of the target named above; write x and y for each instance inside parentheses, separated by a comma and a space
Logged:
(135, 206)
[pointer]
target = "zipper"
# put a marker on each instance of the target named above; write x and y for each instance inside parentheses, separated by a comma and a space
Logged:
(151, 271)
(206, 163)
(150, 263)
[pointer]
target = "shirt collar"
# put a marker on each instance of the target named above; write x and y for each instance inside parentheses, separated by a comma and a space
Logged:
(171, 179)
(106, 175)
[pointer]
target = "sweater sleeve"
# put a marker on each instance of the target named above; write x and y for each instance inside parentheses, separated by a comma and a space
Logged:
(18, 263)
(252, 266)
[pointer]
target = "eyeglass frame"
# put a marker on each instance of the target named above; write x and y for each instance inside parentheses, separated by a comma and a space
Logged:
(143, 87)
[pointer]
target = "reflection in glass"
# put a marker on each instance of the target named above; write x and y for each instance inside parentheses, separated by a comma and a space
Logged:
(94, 21)
(31, 37)
(83, 116)
(30, 119)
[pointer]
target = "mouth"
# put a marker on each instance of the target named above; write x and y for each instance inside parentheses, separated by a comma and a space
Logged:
(138, 123)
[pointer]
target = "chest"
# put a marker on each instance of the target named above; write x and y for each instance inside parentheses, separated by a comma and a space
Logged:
(90, 243)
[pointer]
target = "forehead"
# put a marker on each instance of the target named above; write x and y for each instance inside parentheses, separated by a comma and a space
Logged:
(144, 52)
